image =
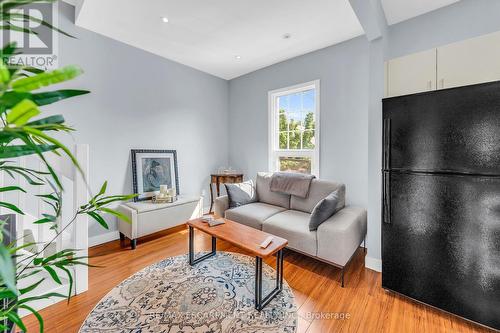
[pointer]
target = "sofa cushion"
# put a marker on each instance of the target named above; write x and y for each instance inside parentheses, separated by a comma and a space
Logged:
(319, 190)
(252, 214)
(264, 194)
(324, 209)
(241, 193)
(340, 236)
(293, 226)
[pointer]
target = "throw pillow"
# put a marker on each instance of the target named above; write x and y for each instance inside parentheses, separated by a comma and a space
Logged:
(323, 210)
(241, 194)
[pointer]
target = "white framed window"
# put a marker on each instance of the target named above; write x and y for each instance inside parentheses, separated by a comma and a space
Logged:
(294, 128)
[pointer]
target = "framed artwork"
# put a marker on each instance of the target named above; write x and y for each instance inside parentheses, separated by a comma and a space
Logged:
(152, 168)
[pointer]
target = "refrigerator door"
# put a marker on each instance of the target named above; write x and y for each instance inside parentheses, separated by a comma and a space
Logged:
(453, 130)
(441, 243)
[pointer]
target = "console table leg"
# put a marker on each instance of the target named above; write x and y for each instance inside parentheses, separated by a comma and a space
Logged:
(211, 199)
(133, 243)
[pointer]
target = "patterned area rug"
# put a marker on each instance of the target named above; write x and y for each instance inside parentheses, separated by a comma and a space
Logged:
(214, 296)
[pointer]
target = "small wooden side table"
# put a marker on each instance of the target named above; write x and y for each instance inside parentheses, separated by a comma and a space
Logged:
(221, 178)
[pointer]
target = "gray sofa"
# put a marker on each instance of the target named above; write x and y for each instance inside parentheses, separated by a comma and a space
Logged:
(287, 216)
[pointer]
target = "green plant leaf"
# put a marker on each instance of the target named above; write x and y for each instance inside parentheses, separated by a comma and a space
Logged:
(37, 316)
(11, 207)
(47, 98)
(16, 28)
(14, 317)
(36, 133)
(99, 219)
(31, 287)
(52, 120)
(4, 73)
(22, 112)
(35, 298)
(118, 214)
(7, 269)
(11, 188)
(11, 98)
(47, 219)
(103, 189)
(46, 79)
(70, 279)
(8, 50)
(53, 274)
(23, 150)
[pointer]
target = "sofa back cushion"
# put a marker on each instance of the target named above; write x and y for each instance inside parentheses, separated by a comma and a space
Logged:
(318, 191)
(264, 194)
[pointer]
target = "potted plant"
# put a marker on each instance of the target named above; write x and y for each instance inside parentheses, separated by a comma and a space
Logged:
(25, 131)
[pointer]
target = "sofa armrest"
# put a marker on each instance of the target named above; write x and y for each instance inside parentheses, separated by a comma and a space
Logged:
(221, 204)
(129, 229)
(340, 236)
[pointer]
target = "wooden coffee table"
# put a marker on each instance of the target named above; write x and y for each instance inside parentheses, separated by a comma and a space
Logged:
(248, 239)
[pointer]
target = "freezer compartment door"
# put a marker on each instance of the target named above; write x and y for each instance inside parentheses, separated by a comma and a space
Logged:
(442, 245)
(454, 130)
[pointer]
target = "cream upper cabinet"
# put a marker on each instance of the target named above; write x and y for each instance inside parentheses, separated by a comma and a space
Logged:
(411, 74)
(472, 61)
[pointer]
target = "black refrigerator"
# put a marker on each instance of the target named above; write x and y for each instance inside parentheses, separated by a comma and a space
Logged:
(441, 200)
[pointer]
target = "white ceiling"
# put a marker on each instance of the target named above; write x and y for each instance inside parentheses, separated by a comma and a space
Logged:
(401, 10)
(209, 34)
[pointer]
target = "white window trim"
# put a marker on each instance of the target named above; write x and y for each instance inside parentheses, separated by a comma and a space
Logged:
(274, 152)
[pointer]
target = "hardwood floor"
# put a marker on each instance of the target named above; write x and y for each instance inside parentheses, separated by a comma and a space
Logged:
(323, 306)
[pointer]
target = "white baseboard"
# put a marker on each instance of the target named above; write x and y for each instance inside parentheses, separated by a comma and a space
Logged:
(373, 263)
(103, 238)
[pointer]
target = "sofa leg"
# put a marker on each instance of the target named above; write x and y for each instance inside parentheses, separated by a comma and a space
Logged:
(342, 277)
(122, 237)
(133, 243)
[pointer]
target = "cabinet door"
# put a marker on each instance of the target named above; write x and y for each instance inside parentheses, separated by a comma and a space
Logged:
(411, 74)
(469, 62)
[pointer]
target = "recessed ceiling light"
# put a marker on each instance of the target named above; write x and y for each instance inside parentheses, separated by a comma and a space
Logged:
(287, 36)
(164, 19)
(237, 57)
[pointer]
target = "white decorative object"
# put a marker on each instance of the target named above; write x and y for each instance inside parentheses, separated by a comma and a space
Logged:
(147, 217)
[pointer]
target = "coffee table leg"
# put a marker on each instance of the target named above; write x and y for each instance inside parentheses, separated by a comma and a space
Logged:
(258, 282)
(259, 302)
(192, 260)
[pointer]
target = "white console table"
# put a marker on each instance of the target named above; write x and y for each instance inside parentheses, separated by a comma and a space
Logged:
(147, 218)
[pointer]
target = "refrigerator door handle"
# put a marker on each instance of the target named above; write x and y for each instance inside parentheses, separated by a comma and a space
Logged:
(387, 197)
(387, 143)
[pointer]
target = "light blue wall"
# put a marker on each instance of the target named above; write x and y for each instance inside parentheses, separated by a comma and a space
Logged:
(140, 100)
(344, 73)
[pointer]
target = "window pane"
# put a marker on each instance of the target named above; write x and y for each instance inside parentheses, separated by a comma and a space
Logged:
(283, 140)
(283, 121)
(309, 121)
(294, 139)
(296, 115)
(308, 139)
(295, 164)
